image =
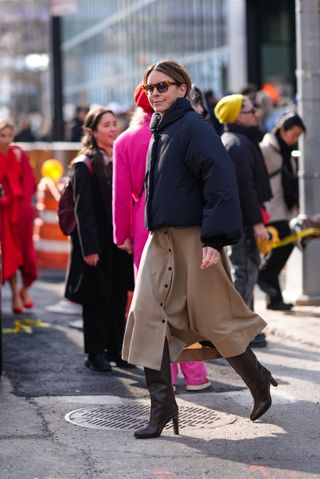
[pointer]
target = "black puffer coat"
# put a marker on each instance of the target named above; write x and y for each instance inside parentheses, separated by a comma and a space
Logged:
(87, 285)
(190, 180)
(241, 142)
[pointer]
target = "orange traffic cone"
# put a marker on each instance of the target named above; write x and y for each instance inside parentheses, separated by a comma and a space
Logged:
(51, 245)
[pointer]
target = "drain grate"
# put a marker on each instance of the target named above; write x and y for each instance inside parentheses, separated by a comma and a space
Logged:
(132, 416)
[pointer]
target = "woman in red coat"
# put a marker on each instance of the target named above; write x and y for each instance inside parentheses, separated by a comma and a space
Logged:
(18, 185)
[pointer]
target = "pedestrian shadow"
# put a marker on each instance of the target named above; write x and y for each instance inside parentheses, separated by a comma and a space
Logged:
(285, 350)
(50, 362)
(291, 449)
(301, 313)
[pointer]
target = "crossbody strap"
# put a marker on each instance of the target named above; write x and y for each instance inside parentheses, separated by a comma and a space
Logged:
(86, 161)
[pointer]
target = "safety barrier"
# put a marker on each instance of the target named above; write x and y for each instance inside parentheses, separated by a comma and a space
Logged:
(39, 152)
(51, 245)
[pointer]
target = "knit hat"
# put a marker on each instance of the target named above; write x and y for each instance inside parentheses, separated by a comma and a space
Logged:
(141, 99)
(228, 108)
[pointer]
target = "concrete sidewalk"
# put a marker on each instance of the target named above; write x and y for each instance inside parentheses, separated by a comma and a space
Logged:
(45, 386)
(301, 324)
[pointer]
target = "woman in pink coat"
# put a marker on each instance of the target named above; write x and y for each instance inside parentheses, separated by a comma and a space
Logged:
(129, 164)
(130, 234)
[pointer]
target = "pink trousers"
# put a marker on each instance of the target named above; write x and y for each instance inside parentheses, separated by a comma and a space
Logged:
(195, 372)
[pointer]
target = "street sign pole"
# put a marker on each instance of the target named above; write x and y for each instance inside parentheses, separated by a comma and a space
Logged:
(57, 87)
(302, 283)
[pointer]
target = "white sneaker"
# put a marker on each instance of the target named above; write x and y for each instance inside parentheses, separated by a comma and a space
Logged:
(64, 306)
(198, 387)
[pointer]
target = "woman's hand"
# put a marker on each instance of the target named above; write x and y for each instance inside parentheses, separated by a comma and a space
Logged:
(91, 259)
(210, 257)
(260, 232)
(126, 246)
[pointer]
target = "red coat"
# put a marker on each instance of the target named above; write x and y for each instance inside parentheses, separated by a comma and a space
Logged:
(10, 172)
(17, 214)
(26, 218)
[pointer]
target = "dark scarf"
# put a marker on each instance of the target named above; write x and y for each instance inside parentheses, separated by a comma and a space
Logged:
(288, 176)
(158, 122)
(285, 149)
(177, 110)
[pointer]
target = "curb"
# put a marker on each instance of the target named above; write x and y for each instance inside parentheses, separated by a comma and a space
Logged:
(302, 325)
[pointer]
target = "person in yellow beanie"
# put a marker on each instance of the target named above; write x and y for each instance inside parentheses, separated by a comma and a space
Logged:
(241, 138)
(228, 108)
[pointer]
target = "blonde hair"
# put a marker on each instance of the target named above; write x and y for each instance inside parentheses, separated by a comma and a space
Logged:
(6, 124)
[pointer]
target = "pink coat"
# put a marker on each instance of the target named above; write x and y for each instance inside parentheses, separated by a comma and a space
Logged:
(129, 164)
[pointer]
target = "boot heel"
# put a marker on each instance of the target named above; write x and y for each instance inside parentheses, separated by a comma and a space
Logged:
(273, 382)
(175, 421)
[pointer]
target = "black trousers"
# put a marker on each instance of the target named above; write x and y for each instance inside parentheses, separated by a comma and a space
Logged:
(103, 326)
(268, 277)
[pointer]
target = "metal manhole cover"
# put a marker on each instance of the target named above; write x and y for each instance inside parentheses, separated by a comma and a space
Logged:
(132, 416)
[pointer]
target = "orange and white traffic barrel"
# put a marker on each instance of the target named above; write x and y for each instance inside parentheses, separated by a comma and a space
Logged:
(51, 245)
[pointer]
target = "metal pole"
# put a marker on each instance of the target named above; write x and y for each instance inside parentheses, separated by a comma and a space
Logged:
(237, 43)
(56, 70)
(303, 283)
(1, 358)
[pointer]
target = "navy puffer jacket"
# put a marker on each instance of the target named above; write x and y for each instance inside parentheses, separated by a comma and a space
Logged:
(190, 179)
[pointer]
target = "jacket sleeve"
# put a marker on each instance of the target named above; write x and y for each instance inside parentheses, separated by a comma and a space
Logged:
(250, 205)
(84, 210)
(208, 161)
(122, 195)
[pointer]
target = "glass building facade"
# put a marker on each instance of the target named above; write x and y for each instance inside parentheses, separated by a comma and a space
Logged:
(107, 44)
(24, 46)
(271, 43)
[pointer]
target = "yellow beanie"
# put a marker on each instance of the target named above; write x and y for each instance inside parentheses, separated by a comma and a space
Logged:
(228, 108)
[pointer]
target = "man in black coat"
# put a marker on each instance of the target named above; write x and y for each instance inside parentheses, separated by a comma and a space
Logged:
(241, 138)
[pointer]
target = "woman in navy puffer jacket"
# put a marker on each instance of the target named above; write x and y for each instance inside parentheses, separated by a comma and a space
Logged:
(184, 305)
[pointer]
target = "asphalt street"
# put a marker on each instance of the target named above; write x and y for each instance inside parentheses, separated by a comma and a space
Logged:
(59, 420)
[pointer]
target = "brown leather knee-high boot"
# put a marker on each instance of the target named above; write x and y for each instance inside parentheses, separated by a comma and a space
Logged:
(163, 403)
(257, 378)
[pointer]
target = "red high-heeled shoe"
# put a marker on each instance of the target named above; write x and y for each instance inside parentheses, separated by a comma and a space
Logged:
(28, 305)
(17, 310)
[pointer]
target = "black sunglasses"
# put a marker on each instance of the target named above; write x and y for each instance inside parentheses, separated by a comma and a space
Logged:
(161, 87)
(248, 112)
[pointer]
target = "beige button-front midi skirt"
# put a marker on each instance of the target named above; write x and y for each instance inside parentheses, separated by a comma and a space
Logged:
(174, 298)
